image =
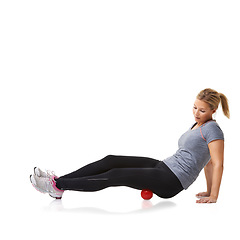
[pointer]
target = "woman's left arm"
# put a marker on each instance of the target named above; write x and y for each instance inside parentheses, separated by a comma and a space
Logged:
(216, 149)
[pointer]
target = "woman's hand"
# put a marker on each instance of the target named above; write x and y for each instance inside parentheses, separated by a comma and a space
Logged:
(209, 199)
(202, 194)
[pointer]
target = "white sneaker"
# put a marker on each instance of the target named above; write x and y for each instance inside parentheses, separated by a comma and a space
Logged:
(46, 185)
(35, 185)
(38, 172)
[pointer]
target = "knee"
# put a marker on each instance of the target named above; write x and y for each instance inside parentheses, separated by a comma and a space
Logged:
(110, 156)
(108, 159)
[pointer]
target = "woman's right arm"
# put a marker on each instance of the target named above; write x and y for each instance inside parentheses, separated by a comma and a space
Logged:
(208, 170)
(208, 174)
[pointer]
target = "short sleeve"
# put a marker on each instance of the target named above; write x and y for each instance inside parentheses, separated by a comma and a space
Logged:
(213, 132)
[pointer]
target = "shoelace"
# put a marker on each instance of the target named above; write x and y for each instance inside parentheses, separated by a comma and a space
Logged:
(49, 183)
(50, 173)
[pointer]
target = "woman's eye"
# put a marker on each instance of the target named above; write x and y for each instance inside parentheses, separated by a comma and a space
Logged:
(203, 111)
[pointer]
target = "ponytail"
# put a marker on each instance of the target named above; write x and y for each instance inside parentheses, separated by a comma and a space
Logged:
(213, 98)
(224, 103)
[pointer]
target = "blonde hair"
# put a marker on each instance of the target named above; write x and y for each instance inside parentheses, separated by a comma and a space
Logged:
(213, 98)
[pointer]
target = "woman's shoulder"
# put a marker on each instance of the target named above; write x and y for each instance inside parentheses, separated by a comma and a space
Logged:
(212, 131)
(211, 124)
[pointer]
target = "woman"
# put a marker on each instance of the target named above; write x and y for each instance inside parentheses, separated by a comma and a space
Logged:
(202, 146)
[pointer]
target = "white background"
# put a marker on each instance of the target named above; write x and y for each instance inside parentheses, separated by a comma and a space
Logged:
(84, 79)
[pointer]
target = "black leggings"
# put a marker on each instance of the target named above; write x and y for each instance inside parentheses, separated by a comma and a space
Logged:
(135, 172)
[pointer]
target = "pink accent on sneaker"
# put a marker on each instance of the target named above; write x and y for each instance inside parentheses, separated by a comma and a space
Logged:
(54, 184)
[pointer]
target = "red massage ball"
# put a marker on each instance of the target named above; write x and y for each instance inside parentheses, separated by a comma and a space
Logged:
(146, 194)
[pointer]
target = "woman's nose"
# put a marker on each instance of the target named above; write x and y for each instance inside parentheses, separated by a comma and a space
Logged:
(197, 113)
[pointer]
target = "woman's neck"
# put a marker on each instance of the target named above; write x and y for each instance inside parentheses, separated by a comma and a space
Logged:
(200, 124)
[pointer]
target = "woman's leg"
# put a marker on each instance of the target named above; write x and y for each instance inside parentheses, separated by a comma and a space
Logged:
(112, 161)
(158, 179)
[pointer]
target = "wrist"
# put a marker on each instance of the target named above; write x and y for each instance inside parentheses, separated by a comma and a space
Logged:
(208, 192)
(213, 196)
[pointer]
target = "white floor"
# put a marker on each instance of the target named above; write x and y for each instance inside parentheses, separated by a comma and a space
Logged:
(116, 213)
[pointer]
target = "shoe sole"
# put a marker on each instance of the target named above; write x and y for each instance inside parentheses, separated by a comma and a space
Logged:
(36, 172)
(55, 196)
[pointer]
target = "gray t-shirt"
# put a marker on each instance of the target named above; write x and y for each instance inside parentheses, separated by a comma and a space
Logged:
(193, 153)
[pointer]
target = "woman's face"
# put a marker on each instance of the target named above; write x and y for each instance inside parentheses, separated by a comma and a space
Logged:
(202, 112)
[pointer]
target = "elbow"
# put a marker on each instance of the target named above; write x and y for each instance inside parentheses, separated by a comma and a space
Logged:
(221, 167)
(218, 165)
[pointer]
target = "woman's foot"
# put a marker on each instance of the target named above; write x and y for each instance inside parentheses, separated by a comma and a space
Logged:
(38, 172)
(35, 185)
(46, 185)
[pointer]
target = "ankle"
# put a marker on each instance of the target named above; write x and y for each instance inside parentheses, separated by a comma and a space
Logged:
(56, 185)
